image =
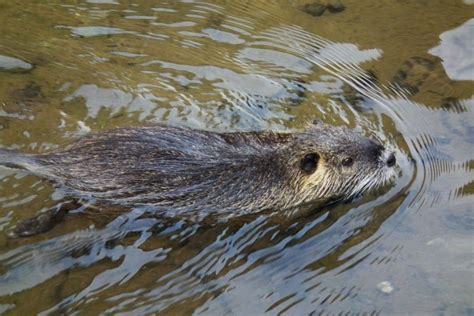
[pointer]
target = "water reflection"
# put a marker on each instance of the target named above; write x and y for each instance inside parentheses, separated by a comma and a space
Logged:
(115, 100)
(456, 51)
(13, 64)
(244, 66)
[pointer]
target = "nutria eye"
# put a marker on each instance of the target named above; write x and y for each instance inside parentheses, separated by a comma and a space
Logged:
(309, 163)
(347, 162)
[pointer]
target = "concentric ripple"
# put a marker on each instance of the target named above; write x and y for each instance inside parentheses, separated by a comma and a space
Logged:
(242, 65)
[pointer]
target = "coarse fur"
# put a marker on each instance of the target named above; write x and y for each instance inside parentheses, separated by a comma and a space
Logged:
(187, 172)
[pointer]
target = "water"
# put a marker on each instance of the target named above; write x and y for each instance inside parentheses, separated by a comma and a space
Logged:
(400, 72)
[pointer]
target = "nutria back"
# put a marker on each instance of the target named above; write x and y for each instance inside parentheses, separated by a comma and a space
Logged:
(182, 171)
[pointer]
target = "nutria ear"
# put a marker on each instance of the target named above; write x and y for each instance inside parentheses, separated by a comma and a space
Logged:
(309, 163)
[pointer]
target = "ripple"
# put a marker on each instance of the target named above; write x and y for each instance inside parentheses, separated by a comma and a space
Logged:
(115, 100)
(216, 35)
(102, 1)
(241, 65)
(92, 31)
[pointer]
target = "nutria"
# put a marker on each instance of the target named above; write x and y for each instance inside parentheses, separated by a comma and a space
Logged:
(187, 172)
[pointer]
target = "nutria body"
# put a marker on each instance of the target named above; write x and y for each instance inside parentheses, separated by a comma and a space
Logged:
(181, 171)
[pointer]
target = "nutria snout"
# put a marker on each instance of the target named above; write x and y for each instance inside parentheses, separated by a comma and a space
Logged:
(391, 160)
(181, 171)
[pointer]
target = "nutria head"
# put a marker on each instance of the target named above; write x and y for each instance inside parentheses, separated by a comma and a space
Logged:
(338, 163)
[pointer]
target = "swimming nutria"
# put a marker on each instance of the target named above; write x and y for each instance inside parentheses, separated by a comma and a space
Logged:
(187, 172)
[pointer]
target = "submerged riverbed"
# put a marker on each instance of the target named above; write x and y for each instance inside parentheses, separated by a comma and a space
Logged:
(397, 71)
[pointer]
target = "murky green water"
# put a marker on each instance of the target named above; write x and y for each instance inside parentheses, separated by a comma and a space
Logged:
(400, 71)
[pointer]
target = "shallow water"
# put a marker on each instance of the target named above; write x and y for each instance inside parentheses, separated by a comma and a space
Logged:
(398, 71)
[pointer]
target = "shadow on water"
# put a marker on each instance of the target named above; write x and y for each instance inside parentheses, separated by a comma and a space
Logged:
(241, 66)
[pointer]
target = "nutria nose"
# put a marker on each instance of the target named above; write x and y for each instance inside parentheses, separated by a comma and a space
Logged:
(391, 160)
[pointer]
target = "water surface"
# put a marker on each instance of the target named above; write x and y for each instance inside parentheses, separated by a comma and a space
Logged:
(397, 71)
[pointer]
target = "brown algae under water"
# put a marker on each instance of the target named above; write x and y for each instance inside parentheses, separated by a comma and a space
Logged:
(399, 72)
